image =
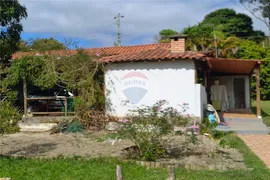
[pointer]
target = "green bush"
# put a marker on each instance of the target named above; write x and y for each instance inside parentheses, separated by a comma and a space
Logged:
(147, 124)
(207, 127)
(9, 117)
(152, 150)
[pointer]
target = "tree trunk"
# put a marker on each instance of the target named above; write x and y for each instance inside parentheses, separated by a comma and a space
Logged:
(195, 47)
(25, 96)
(203, 48)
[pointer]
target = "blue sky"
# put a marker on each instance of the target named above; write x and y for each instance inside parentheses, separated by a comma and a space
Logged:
(91, 23)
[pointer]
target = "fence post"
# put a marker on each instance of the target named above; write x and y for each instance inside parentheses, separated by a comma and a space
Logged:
(119, 175)
(171, 174)
(66, 106)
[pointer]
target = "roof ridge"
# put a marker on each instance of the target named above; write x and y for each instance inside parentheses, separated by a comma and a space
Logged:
(158, 53)
(137, 45)
(129, 53)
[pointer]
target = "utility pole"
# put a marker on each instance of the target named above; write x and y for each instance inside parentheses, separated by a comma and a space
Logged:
(118, 17)
(215, 39)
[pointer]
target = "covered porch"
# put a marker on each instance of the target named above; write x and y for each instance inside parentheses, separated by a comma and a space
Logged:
(235, 75)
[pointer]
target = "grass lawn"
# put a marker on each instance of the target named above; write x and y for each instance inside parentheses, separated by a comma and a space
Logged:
(265, 107)
(104, 169)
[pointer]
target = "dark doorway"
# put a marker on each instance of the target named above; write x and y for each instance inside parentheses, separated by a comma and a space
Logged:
(239, 93)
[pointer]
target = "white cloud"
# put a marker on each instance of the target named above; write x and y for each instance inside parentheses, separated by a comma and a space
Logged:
(94, 19)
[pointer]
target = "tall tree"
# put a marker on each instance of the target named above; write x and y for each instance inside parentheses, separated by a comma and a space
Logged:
(259, 9)
(252, 50)
(164, 35)
(23, 46)
(46, 44)
(221, 31)
(226, 46)
(11, 14)
(199, 37)
(265, 76)
(232, 23)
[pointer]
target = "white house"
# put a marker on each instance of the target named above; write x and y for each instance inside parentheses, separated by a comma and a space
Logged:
(176, 75)
(144, 74)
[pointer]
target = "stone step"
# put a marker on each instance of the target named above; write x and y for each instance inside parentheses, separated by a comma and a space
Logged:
(226, 119)
(46, 119)
(35, 127)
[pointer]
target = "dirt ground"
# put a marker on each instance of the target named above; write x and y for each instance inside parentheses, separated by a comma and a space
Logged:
(52, 145)
(205, 154)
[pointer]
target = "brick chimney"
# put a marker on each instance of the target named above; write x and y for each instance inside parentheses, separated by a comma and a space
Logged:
(178, 43)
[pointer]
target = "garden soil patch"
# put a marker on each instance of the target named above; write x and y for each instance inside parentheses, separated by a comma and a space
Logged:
(205, 154)
(52, 145)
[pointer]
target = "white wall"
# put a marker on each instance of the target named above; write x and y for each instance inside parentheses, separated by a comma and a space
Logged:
(200, 100)
(171, 81)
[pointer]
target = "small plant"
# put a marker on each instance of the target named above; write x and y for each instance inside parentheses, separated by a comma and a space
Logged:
(152, 151)
(220, 134)
(229, 142)
(207, 127)
(108, 137)
(9, 117)
(193, 138)
(146, 125)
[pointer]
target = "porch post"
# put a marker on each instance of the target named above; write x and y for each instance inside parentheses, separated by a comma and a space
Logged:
(208, 88)
(250, 99)
(205, 79)
(258, 93)
(196, 76)
(25, 96)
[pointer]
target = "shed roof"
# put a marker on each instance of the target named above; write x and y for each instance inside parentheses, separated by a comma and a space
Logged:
(232, 66)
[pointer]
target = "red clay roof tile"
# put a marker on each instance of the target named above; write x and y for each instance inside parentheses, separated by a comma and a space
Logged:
(105, 51)
(159, 53)
(156, 52)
